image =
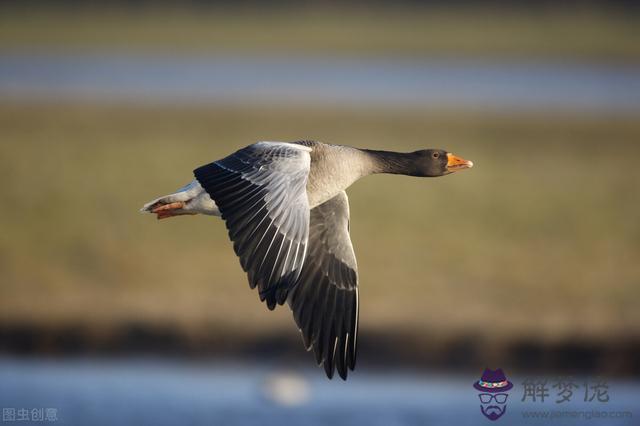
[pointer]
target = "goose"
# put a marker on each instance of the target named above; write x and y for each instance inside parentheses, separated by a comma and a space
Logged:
(287, 213)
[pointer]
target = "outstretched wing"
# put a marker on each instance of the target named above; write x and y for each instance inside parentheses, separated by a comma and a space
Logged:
(325, 299)
(261, 193)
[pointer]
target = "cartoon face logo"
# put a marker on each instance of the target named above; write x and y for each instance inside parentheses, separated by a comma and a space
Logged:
(492, 388)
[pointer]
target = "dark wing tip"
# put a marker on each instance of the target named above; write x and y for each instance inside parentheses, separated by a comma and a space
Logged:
(329, 368)
(343, 374)
(327, 318)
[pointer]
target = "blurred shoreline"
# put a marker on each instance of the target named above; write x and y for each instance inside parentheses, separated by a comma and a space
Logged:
(614, 356)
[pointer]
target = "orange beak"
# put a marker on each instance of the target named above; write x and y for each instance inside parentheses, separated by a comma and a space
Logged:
(456, 163)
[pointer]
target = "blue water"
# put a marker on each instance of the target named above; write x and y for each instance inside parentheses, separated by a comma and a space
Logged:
(171, 392)
(329, 81)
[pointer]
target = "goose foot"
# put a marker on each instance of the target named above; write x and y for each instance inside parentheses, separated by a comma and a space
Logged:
(169, 210)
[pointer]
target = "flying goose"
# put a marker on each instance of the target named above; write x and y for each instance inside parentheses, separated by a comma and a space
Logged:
(287, 213)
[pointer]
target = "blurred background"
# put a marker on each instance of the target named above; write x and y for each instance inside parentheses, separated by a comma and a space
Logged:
(529, 262)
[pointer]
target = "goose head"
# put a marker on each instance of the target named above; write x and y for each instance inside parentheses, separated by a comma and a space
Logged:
(438, 162)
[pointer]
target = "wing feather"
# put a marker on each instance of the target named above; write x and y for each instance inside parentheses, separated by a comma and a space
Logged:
(261, 193)
(324, 301)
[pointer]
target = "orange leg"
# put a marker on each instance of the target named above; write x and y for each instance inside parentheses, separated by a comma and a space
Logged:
(169, 210)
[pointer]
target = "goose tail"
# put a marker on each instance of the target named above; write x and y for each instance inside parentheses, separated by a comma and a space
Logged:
(189, 200)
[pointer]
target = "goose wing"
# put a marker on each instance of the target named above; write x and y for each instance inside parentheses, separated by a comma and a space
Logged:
(261, 193)
(325, 299)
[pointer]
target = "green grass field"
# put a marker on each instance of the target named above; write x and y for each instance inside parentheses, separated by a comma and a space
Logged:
(583, 33)
(541, 238)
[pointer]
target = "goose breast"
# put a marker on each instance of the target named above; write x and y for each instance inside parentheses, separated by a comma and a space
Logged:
(333, 169)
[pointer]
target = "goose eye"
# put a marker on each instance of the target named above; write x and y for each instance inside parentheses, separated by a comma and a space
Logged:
(435, 155)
